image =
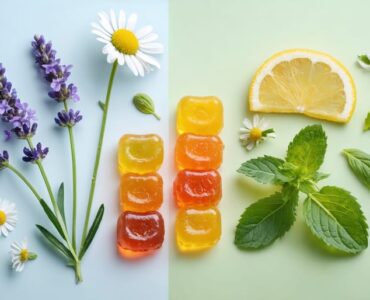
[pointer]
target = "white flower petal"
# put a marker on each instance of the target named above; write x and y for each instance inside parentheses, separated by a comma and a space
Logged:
(112, 56)
(108, 48)
(250, 145)
(100, 28)
(131, 22)
(101, 34)
(151, 37)
(247, 123)
(121, 59)
(113, 20)
(256, 121)
(152, 47)
(20, 267)
(144, 31)
(104, 41)
(105, 23)
(131, 65)
(148, 59)
(138, 66)
(244, 136)
(121, 19)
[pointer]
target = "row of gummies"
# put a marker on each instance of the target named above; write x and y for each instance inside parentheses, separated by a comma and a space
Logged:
(197, 187)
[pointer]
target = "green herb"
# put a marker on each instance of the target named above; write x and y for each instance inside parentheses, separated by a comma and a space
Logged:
(331, 213)
(367, 122)
(359, 163)
(145, 104)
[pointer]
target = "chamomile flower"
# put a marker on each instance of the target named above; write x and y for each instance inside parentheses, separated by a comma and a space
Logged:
(20, 255)
(255, 132)
(8, 217)
(125, 44)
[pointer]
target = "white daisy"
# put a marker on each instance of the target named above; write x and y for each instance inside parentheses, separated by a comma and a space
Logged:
(125, 44)
(20, 255)
(255, 132)
(8, 217)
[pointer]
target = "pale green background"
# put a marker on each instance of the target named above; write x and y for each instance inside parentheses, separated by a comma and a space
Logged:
(215, 48)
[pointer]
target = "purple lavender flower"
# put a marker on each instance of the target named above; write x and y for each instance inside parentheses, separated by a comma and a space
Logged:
(35, 154)
(68, 118)
(14, 112)
(4, 158)
(54, 72)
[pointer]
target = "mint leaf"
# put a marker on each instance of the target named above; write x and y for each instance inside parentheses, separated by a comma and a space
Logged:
(359, 163)
(307, 150)
(266, 220)
(334, 216)
(263, 169)
(318, 176)
(367, 122)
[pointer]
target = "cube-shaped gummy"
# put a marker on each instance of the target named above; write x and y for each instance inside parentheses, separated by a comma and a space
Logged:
(197, 229)
(198, 152)
(200, 115)
(139, 234)
(140, 153)
(197, 188)
(141, 192)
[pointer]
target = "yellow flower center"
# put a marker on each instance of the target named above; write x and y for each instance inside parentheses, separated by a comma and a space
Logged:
(2, 217)
(255, 134)
(23, 255)
(125, 41)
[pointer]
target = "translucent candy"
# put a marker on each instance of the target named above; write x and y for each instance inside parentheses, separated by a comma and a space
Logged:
(140, 153)
(200, 115)
(139, 234)
(198, 152)
(141, 192)
(197, 188)
(197, 229)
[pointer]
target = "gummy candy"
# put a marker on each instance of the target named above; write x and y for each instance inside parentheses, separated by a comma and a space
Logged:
(200, 115)
(197, 188)
(197, 229)
(140, 153)
(139, 234)
(198, 152)
(141, 192)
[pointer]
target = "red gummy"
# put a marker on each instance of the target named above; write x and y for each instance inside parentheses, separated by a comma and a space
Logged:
(139, 234)
(197, 188)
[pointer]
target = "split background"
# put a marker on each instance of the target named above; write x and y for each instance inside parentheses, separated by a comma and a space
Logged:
(213, 48)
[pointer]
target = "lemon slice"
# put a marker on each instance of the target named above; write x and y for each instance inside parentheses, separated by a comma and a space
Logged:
(306, 82)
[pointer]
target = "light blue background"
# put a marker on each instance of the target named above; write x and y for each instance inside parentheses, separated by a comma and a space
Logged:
(67, 24)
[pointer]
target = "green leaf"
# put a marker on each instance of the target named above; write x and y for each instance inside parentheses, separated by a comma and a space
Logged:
(53, 219)
(101, 105)
(55, 242)
(307, 150)
(335, 217)
(92, 231)
(266, 220)
(359, 163)
(318, 176)
(60, 201)
(367, 122)
(263, 169)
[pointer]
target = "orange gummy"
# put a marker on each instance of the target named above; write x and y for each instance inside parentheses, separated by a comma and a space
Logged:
(197, 229)
(197, 188)
(139, 234)
(198, 152)
(141, 192)
(140, 153)
(200, 115)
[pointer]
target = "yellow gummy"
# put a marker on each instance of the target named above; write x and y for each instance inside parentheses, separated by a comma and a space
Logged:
(140, 153)
(200, 115)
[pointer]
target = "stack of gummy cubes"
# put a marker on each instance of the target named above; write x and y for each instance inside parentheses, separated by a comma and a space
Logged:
(140, 227)
(198, 187)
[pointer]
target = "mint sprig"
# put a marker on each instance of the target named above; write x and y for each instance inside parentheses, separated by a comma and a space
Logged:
(331, 213)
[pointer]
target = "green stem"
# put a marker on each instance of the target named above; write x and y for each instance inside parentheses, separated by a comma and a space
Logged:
(74, 180)
(156, 116)
(54, 203)
(98, 151)
(24, 179)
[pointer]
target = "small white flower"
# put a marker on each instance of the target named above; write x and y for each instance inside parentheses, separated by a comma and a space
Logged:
(255, 132)
(8, 217)
(364, 61)
(125, 44)
(20, 255)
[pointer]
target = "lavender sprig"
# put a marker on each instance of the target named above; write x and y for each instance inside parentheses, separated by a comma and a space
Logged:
(4, 159)
(34, 155)
(20, 117)
(53, 71)
(68, 118)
